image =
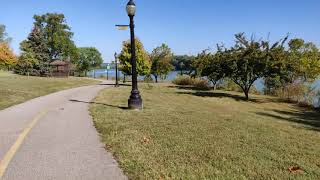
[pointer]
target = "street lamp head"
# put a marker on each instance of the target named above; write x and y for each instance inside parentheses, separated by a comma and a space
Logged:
(131, 8)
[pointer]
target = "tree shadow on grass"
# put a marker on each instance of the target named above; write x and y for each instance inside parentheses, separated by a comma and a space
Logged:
(219, 95)
(109, 105)
(108, 84)
(189, 88)
(201, 93)
(310, 118)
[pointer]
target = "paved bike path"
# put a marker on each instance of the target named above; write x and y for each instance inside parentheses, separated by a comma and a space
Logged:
(61, 143)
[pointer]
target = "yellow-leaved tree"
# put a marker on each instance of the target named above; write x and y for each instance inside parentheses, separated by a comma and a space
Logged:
(142, 59)
(7, 58)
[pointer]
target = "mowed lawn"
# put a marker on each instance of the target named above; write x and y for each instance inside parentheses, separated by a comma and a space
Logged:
(188, 134)
(15, 89)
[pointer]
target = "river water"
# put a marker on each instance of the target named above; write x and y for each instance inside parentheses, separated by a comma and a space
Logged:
(172, 75)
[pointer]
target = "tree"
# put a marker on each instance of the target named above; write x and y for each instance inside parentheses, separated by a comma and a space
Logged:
(7, 57)
(50, 39)
(57, 35)
(142, 59)
(183, 63)
(3, 35)
(277, 69)
(88, 59)
(303, 61)
(248, 61)
(37, 46)
(161, 58)
(27, 64)
(210, 66)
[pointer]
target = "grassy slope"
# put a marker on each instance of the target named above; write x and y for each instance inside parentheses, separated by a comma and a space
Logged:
(191, 135)
(16, 89)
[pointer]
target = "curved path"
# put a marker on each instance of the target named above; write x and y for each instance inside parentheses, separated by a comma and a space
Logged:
(53, 137)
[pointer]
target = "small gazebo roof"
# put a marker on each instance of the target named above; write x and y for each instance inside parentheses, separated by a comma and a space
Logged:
(58, 63)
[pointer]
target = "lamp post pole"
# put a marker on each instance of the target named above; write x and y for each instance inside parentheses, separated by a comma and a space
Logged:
(135, 100)
(116, 61)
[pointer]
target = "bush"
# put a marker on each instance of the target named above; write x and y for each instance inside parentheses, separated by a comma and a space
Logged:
(183, 81)
(228, 85)
(200, 84)
(292, 92)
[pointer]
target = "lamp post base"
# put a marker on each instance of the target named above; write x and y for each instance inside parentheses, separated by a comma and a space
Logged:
(135, 104)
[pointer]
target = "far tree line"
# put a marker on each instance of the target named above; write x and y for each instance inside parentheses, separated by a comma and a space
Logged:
(281, 64)
(49, 40)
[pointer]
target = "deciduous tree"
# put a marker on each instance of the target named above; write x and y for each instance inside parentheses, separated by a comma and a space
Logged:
(247, 61)
(161, 58)
(27, 64)
(142, 59)
(211, 66)
(183, 63)
(57, 35)
(7, 57)
(50, 39)
(88, 59)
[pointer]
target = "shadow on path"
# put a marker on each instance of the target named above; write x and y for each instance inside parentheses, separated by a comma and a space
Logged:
(109, 105)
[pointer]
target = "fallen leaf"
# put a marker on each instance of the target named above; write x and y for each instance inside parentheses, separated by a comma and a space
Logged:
(295, 169)
(145, 140)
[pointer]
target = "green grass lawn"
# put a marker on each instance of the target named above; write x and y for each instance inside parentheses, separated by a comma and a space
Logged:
(15, 89)
(187, 134)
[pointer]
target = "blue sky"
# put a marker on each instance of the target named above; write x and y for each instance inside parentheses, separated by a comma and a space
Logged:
(187, 26)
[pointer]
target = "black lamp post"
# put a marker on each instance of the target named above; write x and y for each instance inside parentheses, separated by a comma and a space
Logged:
(135, 100)
(116, 63)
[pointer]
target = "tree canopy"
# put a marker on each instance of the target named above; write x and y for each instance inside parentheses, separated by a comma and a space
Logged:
(142, 58)
(50, 39)
(57, 35)
(183, 63)
(88, 59)
(210, 65)
(161, 58)
(303, 60)
(7, 57)
(244, 63)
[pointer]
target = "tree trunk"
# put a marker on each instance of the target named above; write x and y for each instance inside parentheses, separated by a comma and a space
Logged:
(246, 93)
(124, 78)
(214, 84)
(156, 77)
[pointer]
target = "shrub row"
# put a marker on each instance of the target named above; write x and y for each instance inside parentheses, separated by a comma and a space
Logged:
(200, 84)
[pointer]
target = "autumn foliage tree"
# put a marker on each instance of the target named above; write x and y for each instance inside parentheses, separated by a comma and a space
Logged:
(7, 57)
(142, 59)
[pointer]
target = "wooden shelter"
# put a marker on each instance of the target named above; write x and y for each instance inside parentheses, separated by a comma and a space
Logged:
(60, 68)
